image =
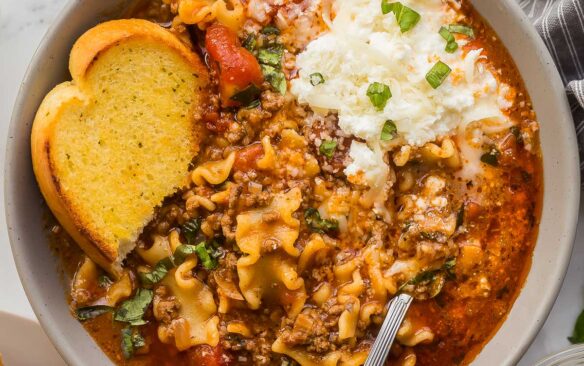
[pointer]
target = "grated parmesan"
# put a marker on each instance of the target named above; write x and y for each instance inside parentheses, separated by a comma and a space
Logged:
(364, 46)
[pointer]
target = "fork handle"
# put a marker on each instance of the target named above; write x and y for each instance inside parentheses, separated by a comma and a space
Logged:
(396, 313)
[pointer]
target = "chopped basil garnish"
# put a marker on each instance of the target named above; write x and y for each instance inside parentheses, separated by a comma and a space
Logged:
(578, 334)
(275, 77)
(190, 230)
(327, 148)
(437, 74)
(318, 224)
(247, 95)
(451, 44)
(270, 59)
(389, 131)
(250, 43)
(491, 157)
(316, 79)
(207, 255)
(182, 252)
(131, 340)
(270, 30)
(104, 281)
(90, 312)
(460, 216)
(433, 279)
(271, 56)
(157, 274)
(378, 94)
(461, 29)
(406, 17)
(132, 310)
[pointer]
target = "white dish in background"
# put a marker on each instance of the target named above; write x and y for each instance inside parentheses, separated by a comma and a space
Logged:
(23, 343)
(38, 268)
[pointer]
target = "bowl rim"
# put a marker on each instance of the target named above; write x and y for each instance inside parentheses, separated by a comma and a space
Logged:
(71, 356)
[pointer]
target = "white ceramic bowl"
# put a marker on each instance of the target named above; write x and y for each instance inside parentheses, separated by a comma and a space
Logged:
(38, 268)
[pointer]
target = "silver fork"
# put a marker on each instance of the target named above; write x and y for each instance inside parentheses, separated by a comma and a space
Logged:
(396, 312)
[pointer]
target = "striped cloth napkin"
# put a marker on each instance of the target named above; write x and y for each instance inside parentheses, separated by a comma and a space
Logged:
(561, 25)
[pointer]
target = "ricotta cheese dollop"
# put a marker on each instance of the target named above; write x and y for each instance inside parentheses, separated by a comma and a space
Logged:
(364, 46)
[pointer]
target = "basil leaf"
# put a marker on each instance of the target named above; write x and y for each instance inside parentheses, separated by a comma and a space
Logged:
(437, 74)
(578, 333)
(406, 17)
(247, 95)
(460, 216)
(157, 274)
(104, 281)
(127, 345)
(327, 148)
(132, 310)
(318, 224)
(491, 157)
(270, 30)
(316, 79)
(190, 229)
(271, 56)
(250, 43)
(182, 252)
(389, 131)
(378, 94)
(461, 29)
(205, 255)
(93, 311)
(131, 340)
(451, 44)
(275, 77)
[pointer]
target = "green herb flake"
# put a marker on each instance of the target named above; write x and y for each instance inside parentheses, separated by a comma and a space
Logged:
(250, 43)
(271, 56)
(127, 345)
(461, 29)
(190, 229)
(451, 44)
(205, 254)
(578, 333)
(460, 217)
(437, 74)
(327, 148)
(247, 95)
(132, 311)
(131, 340)
(157, 274)
(90, 312)
(378, 94)
(182, 252)
(275, 77)
(389, 131)
(318, 224)
(491, 157)
(406, 17)
(316, 79)
(270, 30)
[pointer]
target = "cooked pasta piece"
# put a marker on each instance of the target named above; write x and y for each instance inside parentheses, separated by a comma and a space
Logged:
(213, 172)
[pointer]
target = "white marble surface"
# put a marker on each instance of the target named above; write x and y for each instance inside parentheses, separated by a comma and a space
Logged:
(22, 25)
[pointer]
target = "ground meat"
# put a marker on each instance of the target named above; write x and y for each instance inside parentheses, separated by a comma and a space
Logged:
(165, 306)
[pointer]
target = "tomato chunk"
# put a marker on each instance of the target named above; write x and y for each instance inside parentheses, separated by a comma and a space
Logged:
(204, 355)
(246, 158)
(238, 68)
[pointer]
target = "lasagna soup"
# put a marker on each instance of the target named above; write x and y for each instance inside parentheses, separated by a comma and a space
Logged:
(359, 150)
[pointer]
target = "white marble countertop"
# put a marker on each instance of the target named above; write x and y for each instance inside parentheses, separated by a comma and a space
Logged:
(22, 25)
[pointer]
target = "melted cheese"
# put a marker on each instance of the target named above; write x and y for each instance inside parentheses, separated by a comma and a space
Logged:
(365, 46)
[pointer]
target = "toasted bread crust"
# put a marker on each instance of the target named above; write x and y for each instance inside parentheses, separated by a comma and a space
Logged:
(48, 182)
(85, 51)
